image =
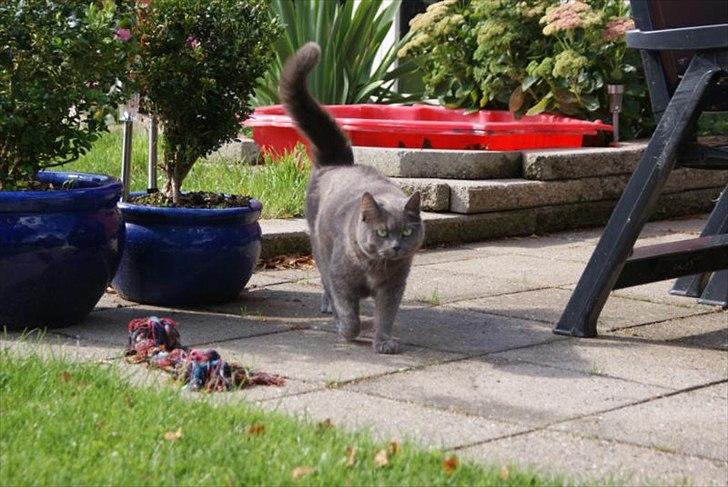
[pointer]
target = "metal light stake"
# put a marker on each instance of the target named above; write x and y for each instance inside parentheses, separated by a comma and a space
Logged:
(128, 122)
(615, 106)
(152, 160)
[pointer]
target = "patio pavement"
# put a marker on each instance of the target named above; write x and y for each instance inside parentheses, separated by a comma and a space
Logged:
(481, 372)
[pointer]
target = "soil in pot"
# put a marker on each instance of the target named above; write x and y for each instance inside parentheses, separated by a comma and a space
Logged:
(197, 199)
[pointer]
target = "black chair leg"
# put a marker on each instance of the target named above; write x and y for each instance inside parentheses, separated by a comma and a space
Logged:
(692, 286)
(624, 226)
(716, 292)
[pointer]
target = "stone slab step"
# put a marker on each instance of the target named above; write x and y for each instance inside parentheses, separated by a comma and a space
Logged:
(469, 197)
(291, 236)
(553, 164)
(445, 164)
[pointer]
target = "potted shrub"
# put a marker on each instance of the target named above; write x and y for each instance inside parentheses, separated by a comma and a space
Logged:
(197, 66)
(60, 233)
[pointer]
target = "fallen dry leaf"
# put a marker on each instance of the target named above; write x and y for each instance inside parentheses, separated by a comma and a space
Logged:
(284, 262)
(504, 472)
(173, 435)
(450, 464)
(351, 455)
(65, 376)
(256, 429)
(381, 459)
(324, 425)
(393, 447)
(301, 471)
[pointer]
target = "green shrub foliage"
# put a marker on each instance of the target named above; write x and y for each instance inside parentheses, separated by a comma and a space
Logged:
(197, 67)
(62, 65)
(530, 57)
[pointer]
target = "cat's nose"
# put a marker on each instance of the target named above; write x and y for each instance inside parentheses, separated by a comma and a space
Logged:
(397, 247)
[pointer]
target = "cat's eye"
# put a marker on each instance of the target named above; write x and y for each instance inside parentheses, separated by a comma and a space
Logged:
(382, 232)
(406, 232)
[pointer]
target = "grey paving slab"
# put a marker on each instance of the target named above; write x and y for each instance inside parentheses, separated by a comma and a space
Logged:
(705, 331)
(110, 326)
(435, 284)
(546, 306)
(51, 345)
(529, 271)
(582, 163)
(111, 300)
(256, 394)
(280, 237)
(509, 194)
(659, 292)
(666, 365)
(292, 303)
(387, 419)
(443, 255)
(465, 332)
(585, 461)
(452, 228)
(318, 356)
(692, 423)
(514, 392)
(434, 193)
(431, 163)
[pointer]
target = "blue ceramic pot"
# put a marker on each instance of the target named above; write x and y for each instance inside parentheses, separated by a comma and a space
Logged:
(187, 256)
(58, 249)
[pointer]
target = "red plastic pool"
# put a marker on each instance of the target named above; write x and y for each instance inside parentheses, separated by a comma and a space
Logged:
(430, 127)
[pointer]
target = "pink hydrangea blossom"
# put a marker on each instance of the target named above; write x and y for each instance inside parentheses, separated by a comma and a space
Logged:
(616, 28)
(193, 42)
(122, 34)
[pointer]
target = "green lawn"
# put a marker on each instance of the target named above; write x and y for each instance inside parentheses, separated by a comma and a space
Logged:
(67, 423)
(280, 185)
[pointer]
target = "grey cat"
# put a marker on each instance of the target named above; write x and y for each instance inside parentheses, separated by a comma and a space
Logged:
(364, 229)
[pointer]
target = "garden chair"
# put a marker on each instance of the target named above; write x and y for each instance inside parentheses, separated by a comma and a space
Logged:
(684, 47)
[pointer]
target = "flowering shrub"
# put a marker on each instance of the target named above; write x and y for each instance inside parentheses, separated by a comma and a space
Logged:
(60, 68)
(531, 56)
(197, 66)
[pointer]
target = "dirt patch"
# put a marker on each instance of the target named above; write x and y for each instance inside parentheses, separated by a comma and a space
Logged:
(285, 262)
(197, 199)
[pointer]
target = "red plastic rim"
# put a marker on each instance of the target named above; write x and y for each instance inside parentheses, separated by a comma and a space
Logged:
(423, 126)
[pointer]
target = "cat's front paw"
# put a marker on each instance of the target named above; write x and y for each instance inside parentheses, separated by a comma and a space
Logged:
(386, 345)
(326, 307)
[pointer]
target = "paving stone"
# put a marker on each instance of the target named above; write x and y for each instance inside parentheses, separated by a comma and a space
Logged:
(582, 163)
(434, 193)
(430, 163)
(52, 345)
(528, 271)
(110, 326)
(294, 304)
(281, 237)
(513, 392)
(659, 292)
(258, 394)
(318, 356)
(241, 149)
(386, 419)
(546, 306)
(707, 331)
(112, 300)
(468, 333)
(665, 365)
(509, 194)
(432, 285)
(590, 461)
(452, 228)
(443, 255)
(692, 423)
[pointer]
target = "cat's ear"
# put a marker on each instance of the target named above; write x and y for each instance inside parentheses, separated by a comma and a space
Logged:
(370, 210)
(413, 203)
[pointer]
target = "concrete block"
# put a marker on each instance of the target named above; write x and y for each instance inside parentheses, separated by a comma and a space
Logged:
(548, 165)
(447, 164)
(241, 149)
(435, 193)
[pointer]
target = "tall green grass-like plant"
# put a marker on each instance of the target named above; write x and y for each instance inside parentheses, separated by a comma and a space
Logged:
(349, 37)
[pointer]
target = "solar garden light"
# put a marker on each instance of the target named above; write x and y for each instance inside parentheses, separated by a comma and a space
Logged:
(152, 155)
(128, 112)
(615, 106)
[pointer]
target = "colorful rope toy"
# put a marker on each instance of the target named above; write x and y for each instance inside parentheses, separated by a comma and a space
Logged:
(156, 342)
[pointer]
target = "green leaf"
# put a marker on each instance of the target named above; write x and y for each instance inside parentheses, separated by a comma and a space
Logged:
(541, 106)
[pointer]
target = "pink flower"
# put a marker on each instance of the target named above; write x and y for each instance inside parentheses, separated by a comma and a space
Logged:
(616, 28)
(193, 42)
(122, 34)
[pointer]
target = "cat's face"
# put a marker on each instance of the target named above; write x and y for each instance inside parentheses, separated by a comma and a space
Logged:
(391, 231)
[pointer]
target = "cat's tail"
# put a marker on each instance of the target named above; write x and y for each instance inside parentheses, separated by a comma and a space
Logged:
(330, 145)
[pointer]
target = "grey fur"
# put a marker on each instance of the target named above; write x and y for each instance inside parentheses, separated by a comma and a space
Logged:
(364, 229)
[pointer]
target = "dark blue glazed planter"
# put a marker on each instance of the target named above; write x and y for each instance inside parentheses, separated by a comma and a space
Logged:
(187, 256)
(58, 250)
